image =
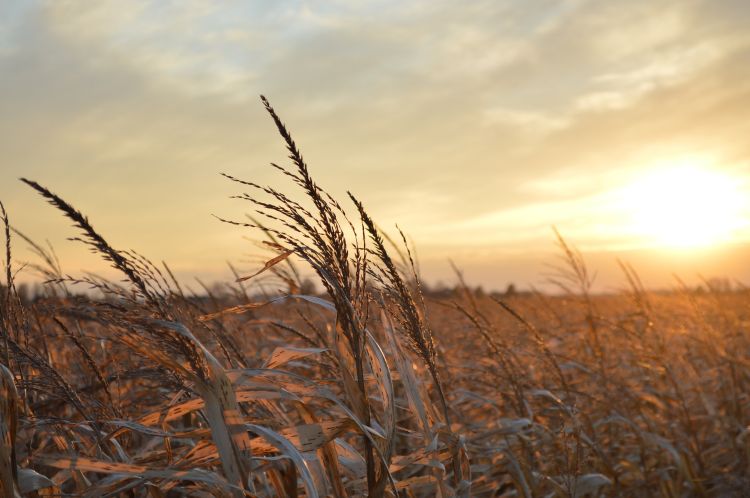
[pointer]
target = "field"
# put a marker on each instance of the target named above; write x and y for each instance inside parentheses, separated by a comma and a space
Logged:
(371, 388)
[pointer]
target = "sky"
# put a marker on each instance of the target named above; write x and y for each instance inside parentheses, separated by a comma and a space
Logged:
(476, 126)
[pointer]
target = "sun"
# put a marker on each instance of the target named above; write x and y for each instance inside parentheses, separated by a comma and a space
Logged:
(685, 205)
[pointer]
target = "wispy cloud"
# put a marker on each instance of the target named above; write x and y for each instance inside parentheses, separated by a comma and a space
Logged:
(492, 117)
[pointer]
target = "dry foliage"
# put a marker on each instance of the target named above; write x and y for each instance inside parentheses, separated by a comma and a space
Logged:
(373, 389)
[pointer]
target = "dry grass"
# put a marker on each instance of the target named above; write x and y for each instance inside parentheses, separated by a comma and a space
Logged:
(372, 389)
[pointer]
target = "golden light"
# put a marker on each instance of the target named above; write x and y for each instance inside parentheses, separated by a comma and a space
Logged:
(685, 205)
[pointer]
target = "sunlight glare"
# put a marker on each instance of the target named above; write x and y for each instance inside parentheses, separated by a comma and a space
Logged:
(685, 205)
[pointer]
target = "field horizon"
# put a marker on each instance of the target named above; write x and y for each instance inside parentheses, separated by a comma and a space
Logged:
(491, 267)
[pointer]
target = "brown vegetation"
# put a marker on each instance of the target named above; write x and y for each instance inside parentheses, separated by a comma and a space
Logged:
(371, 389)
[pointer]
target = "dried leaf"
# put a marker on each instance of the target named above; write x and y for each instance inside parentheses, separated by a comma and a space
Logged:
(269, 264)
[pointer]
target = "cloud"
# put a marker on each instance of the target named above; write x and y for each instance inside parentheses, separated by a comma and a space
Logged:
(435, 113)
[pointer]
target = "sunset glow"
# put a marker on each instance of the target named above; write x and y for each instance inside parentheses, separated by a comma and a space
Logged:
(475, 127)
(685, 206)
